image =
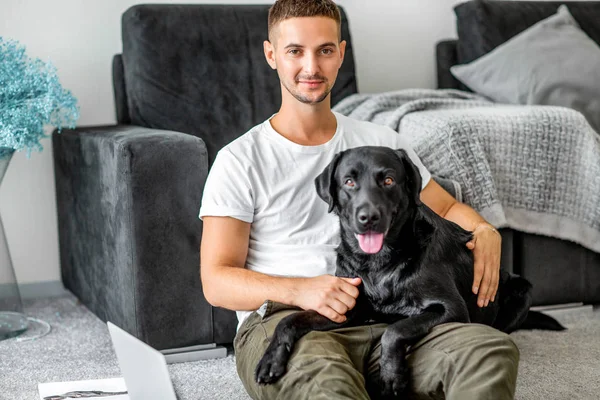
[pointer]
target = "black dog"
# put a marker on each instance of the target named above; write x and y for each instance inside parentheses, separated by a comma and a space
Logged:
(415, 267)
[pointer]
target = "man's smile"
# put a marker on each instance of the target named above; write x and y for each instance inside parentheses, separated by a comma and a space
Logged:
(312, 84)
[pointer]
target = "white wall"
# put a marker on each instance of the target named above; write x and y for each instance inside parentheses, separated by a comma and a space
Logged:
(394, 48)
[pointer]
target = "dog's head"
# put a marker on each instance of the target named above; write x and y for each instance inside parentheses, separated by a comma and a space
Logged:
(371, 189)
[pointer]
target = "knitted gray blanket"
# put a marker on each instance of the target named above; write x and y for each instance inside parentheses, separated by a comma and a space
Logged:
(535, 169)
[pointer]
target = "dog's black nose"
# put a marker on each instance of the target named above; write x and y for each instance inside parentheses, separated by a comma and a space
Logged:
(368, 216)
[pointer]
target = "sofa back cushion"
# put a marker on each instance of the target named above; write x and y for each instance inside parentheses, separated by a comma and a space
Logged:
(531, 68)
(483, 25)
(200, 69)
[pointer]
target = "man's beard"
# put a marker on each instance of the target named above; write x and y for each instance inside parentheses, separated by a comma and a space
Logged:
(303, 99)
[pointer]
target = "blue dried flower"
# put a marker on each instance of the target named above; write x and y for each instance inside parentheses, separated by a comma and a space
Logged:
(31, 97)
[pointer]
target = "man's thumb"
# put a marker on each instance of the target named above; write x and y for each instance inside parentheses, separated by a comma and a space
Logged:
(353, 281)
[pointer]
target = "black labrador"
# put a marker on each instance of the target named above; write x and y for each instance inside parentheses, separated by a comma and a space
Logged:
(415, 267)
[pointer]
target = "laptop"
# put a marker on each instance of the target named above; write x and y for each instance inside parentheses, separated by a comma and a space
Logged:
(144, 369)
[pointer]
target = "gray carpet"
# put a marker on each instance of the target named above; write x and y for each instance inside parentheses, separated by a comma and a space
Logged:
(553, 365)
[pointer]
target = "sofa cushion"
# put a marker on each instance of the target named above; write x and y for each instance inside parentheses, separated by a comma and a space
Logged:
(483, 25)
(200, 69)
(551, 63)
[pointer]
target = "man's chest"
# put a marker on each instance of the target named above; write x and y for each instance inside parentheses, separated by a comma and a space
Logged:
(289, 210)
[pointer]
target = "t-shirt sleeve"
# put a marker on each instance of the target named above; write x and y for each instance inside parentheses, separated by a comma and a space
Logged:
(228, 191)
(425, 174)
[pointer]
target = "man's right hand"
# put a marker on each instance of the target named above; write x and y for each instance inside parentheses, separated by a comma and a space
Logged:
(330, 296)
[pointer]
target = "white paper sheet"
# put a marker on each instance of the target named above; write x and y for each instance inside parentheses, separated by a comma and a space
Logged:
(105, 385)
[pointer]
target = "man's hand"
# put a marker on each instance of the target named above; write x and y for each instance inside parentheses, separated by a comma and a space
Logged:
(330, 296)
(486, 246)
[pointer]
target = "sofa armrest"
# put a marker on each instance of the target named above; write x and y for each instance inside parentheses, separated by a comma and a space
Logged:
(128, 199)
(446, 55)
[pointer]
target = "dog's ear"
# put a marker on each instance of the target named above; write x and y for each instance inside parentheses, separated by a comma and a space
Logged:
(325, 183)
(413, 176)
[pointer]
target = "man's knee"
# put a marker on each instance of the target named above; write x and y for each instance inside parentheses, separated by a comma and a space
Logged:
(329, 377)
(490, 343)
(485, 364)
(467, 361)
(510, 347)
(323, 378)
(319, 367)
(469, 337)
(479, 343)
(325, 366)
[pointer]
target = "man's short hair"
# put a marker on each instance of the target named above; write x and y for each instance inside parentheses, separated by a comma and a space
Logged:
(284, 9)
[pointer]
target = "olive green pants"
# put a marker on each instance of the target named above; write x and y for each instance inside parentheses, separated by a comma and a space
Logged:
(454, 361)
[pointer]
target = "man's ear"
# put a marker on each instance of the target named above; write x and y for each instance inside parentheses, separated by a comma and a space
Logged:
(413, 176)
(269, 50)
(326, 184)
(342, 52)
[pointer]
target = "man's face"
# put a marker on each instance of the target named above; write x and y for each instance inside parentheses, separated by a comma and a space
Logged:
(307, 56)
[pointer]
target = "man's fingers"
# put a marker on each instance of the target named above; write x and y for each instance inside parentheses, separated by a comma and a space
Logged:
(339, 307)
(333, 315)
(493, 284)
(347, 300)
(485, 288)
(486, 274)
(490, 294)
(478, 274)
(353, 281)
(351, 286)
(495, 281)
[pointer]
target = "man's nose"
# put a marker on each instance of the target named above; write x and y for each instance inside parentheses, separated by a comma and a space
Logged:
(311, 65)
(368, 215)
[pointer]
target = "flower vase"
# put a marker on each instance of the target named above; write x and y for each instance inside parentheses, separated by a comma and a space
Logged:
(12, 320)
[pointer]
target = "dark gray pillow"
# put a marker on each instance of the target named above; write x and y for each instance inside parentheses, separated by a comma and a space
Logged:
(551, 63)
(483, 25)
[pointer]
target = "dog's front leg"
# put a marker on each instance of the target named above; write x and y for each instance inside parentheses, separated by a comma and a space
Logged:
(394, 374)
(290, 329)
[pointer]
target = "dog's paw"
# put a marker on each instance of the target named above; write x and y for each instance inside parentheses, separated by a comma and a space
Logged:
(394, 383)
(272, 365)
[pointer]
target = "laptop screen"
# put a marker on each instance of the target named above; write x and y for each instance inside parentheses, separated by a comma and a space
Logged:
(144, 368)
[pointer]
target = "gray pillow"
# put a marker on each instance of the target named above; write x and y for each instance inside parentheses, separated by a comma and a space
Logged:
(551, 63)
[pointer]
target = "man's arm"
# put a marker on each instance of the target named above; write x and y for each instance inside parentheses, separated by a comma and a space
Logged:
(442, 202)
(486, 242)
(225, 281)
(228, 284)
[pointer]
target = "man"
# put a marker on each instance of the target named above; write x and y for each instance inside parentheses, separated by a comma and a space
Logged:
(268, 243)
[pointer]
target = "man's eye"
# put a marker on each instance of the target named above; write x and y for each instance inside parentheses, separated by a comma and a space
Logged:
(327, 51)
(294, 51)
(388, 181)
(349, 183)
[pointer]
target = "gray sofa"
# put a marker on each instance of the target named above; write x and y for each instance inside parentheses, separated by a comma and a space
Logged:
(190, 79)
(561, 271)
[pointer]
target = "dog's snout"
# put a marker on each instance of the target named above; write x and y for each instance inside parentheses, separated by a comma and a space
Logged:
(368, 216)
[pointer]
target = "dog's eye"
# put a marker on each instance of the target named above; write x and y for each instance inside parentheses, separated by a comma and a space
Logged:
(388, 181)
(349, 183)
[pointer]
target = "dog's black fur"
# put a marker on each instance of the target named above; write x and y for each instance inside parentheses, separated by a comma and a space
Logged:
(420, 278)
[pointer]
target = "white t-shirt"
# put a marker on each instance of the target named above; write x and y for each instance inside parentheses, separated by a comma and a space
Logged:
(267, 180)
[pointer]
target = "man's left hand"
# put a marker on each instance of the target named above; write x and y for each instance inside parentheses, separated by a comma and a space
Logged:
(486, 245)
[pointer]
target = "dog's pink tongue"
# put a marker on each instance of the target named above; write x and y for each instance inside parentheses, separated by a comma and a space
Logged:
(370, 242)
